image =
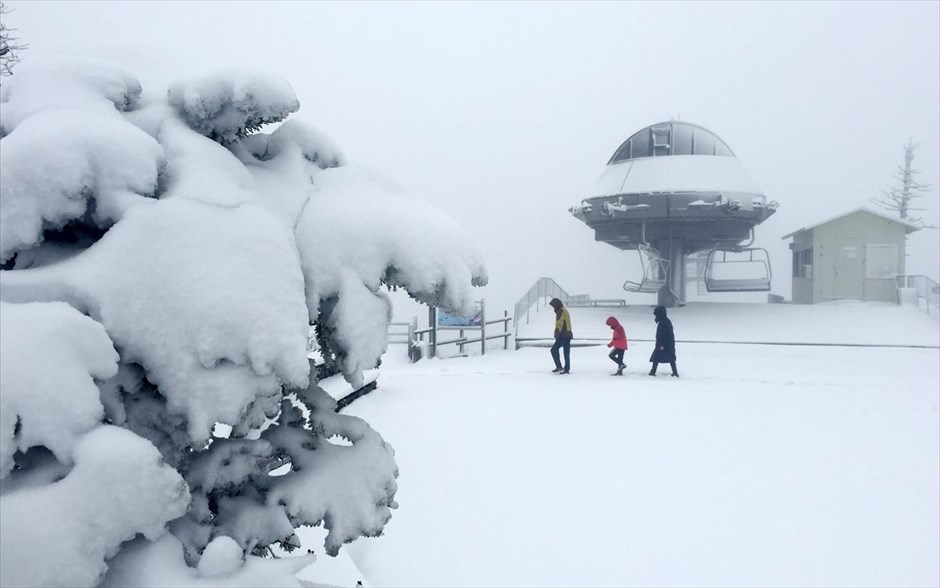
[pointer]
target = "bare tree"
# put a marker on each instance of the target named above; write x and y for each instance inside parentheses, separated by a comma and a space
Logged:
(900, 197)
(10, 48)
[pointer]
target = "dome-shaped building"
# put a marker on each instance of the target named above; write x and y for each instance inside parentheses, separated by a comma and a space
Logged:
(673, 189)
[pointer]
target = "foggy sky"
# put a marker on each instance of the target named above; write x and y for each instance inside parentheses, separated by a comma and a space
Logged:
(504, 114)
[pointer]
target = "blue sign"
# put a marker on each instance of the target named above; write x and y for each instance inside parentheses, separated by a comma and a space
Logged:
(445, 319)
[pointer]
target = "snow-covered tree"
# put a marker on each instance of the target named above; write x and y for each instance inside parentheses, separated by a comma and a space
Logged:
(163, 260)
(900, 197)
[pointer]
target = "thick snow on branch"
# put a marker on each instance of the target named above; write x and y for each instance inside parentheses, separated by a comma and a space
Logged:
(201, 169)
(208, 301)
(227, 106)
(349, 487)
(358, 233)
(101, 165)
(67, 150)
(297, 138)
(71, 82)
(62, 533)
(50, 357)
(359, 320)
(354, 231)
(361, 223)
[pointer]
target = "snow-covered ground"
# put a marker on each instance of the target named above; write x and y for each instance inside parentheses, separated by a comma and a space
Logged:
(761, 466)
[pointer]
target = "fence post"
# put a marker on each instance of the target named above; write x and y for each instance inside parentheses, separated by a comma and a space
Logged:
(432, 335)
(483, 326)
(505, 330)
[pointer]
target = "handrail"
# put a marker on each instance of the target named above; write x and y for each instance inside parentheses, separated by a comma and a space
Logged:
(926, 288)
(543, 288)
(502, 320)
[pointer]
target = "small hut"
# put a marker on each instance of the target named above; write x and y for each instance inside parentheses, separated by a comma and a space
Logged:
(857, 255)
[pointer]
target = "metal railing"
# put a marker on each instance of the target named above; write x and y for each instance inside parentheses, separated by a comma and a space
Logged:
(927, 290)
(547, 288)
(401, 333)
(543, 288)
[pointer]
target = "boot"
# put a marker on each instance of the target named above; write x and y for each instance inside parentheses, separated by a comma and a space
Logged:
(620, 369)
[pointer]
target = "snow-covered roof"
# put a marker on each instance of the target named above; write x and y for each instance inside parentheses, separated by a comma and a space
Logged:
(910, 228)
(675, 173)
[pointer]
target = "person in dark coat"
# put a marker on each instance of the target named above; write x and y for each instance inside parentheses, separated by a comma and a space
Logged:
(619, 344)
(665, 351)
(563, 336)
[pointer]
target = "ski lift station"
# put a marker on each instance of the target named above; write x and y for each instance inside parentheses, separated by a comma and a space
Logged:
(674, 189)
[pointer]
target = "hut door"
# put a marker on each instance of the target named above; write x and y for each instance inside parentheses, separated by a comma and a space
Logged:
(847, 281)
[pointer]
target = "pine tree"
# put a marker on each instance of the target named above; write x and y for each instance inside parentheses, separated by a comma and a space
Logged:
(160, 285)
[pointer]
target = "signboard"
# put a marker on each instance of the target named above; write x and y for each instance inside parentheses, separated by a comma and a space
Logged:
(475, 319)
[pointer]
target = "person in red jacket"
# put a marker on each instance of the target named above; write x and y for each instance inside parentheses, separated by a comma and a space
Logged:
(619, 344)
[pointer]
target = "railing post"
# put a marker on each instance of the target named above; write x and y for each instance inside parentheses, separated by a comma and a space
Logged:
(483, 326)
(432, 335)
(505, 330)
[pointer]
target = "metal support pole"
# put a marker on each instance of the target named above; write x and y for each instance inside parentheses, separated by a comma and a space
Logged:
(672, 293)
(677, 271)
(506, 330)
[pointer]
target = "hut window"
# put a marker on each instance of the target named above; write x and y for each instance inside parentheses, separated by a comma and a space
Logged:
(803, 263)
(881, 262)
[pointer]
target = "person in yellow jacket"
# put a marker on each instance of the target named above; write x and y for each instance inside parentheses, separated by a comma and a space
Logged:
(563, 336)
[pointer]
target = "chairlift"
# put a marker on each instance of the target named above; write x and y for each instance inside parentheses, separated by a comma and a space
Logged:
(744, 269)
(654, 272)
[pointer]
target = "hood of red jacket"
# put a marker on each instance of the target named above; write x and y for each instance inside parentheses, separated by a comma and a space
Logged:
(612, 322)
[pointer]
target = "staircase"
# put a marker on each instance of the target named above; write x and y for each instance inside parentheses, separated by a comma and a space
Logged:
(549, 288)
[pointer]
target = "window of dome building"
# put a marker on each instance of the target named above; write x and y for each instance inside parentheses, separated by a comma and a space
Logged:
(682, 140)
(661, 142)
(722, 149)
(640, 144)
(622, 154)
(703, 142)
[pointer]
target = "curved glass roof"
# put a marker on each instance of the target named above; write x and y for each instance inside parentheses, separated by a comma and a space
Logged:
(671, 138)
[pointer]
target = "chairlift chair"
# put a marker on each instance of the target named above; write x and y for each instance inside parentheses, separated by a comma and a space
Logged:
(654, 272)
(750, 269)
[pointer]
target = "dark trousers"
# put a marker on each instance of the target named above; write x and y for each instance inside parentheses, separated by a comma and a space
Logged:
(672, 364)
(616, 356)
(562, 343)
